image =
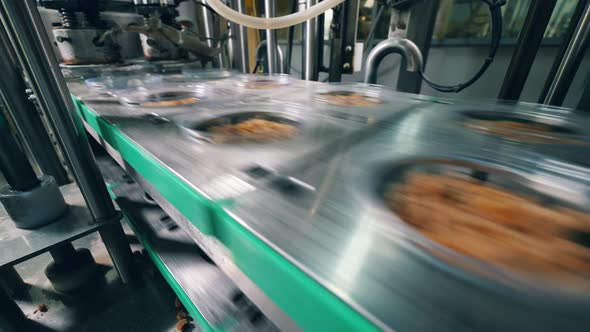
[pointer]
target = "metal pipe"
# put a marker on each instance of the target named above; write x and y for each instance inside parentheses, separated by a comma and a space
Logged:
(270, 10)
(573, 56)
(11, 314)
(529, 41)
(309, 52)
(261, 53)
(571, 29)
(205, 17)
(584, 103)
(241, 37)
(15, 167)
(406, 48)
(35, 52)
(25, 115)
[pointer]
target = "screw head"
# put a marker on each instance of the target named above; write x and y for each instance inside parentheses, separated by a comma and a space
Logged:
(346, 66)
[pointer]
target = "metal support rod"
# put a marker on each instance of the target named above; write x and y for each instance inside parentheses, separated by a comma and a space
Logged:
(206, 19)
(12, 282)
(573, 55)
(571, 29)
(529, 41)
(240, 35)
(12, 317)
(261, 53)
(309, 52)
(14, 165)
(25, 115)
(34, 50)
(272, 58)
(420, 29)
(584, 103)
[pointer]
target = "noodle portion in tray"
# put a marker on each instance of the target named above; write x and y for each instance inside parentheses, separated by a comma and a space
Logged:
(258, 130)
(348, 98)
(244, 127)
(513, 232)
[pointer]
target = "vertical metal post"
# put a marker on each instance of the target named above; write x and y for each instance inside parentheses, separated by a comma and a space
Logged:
(343, 38)
(584, 103)
(240, 34)
(529, 41)
(34, 50)
(14, 165)
(309, 52)
(10, 314)
(206, 18)
(272, 59)
(574, 52)
(420, 29)
(25, 115)
(12, 282)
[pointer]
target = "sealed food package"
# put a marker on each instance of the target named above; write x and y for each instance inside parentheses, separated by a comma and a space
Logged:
(263, 82)
(246, 127)
(493, 215)
(115, 83)
(352, 95)
(178, 97)
(197, 73)
(522, 127)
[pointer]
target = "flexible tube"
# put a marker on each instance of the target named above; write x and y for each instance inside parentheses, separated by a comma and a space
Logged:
(274, 22)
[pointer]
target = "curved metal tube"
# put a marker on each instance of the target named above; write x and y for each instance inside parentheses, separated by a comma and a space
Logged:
(404, 47)
(261, 52)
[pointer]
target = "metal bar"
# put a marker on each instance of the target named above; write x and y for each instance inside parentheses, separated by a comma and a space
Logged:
(405, 47)
(572, 57)
(14, 165)
(12, 282)
(35, 52)
(584, 103)
(420, 30)
(272, 59)
(12, 317)
(25, 115)
(571, 29)
(343, 37)
(206, 18)
(309, 52)
(529, 40)
(241, 36)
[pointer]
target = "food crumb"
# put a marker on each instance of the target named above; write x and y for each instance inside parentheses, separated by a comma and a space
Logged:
(181, 315)
(183, 325)
(41, 308)
(178, 304)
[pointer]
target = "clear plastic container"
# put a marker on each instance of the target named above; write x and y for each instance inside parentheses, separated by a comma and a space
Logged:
(165, 96)
(194, 72)
(124, 82)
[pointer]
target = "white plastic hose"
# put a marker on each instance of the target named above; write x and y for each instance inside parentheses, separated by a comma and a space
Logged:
(274, 22)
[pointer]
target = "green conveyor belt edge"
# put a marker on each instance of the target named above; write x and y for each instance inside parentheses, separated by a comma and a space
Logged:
(308, 303)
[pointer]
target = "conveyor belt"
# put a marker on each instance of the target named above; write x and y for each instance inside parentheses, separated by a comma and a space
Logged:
(301, 234)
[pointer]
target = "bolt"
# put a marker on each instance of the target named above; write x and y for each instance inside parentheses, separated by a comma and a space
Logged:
(61, 39)
(346, 66)
(348, 49)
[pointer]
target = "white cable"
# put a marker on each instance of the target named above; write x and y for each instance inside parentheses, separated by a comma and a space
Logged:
(274, 22)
